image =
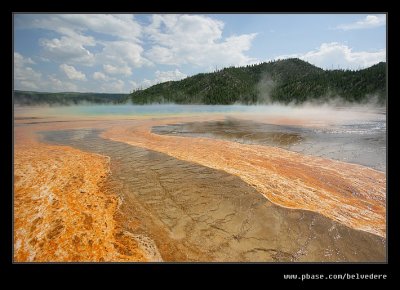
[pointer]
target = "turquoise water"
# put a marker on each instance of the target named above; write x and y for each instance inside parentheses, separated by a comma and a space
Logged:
(150, 109)
(133, 110)
(340, 115)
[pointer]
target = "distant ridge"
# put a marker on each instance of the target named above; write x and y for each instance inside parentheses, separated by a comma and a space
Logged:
(66, 98)
(289, 80)
(285, 81)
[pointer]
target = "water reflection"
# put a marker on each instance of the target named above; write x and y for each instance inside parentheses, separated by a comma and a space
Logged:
(361, 143)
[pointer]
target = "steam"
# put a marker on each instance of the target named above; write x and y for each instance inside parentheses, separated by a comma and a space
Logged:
(264, 88)
(267, 84)
(339, 102)
(310, 114)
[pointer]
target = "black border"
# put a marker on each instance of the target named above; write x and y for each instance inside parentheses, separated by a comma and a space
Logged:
(203, 274)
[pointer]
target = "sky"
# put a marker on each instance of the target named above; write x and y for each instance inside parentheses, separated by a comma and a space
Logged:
(119, 53)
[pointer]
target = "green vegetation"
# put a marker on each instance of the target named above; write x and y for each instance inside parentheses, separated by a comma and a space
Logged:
(290, 80)
(38, 98)
(286, 81)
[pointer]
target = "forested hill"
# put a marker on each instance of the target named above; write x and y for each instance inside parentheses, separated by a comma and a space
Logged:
(38, 98)
(290, 80)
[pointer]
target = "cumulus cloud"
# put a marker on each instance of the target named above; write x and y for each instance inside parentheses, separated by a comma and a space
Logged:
(99, 76)
(56, 85)
(165, 76)
(67, 49)
(108, 84)
(195, 39)
(122, 70)
(334, 55)
(122, 53)
(116, 86)
(121, 26)
(370, 21)
(72, 73)
(74, 45)
(160, 77)
(118, 57)
(20, 60)
(112, 41)
(114, 45)
(25, 77)
(134, 85)
(147, 83)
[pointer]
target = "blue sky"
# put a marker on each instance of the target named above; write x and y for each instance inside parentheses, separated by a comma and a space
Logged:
(121, 52)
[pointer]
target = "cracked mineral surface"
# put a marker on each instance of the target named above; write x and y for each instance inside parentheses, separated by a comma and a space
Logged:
(117, 190)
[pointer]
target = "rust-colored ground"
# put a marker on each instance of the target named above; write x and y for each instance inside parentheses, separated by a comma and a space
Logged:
(61, 212)
(348, 193)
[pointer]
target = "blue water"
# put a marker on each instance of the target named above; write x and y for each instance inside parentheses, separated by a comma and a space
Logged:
(350, 134)
(133, 110)
(317, 113)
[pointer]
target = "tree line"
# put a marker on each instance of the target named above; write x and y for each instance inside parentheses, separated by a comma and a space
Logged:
(28, 98)
(286, 81)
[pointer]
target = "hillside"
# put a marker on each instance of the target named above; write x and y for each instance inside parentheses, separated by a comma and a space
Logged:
(290, 80)
(38, 98)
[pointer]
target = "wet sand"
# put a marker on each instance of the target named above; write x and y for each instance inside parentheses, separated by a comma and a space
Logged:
(184, 199)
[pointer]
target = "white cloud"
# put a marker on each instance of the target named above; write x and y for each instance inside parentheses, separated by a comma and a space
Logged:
(122, 53)
(121, 26)
(115, 43)
(74, 45)
(99, 76)
(119, 57)
(163, 55)
(118, 25)
(147, 83)
(56, 85)
(67, 49)
(115, 70)
(25, 77)
(134, 85)
(116, 86)
(72, 73)
(165, 76)
(195, 39)
(19, 59)
(333, 55)
(160, 77)
(370, 21)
